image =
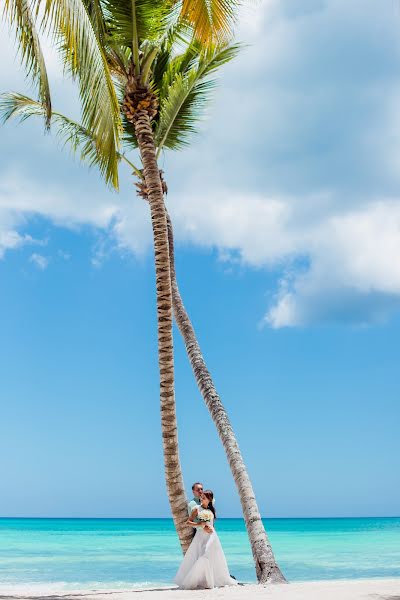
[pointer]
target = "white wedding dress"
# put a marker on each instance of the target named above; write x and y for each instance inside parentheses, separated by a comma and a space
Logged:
(204, 565)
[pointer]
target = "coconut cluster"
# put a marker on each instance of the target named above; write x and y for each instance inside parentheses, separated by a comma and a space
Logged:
(137, 98)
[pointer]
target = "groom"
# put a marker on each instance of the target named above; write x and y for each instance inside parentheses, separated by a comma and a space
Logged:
(197, 489)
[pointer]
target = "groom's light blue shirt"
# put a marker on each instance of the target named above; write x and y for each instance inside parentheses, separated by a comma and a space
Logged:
(192, 505)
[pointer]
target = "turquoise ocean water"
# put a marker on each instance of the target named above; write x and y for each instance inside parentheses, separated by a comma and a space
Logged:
(51, 554)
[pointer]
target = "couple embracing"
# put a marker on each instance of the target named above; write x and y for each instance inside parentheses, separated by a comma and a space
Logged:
(204, 565)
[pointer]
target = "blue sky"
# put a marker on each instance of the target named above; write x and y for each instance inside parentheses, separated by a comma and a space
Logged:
(287, 218)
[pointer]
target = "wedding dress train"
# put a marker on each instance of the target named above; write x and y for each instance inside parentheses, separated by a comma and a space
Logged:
(204, 564)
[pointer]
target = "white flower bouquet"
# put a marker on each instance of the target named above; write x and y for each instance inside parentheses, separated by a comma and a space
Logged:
(205, 517)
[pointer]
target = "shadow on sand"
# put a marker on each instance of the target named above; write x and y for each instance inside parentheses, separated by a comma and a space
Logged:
(71, 596)
(92, 594)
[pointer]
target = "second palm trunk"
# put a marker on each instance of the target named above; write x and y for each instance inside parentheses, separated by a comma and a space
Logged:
(267, 569)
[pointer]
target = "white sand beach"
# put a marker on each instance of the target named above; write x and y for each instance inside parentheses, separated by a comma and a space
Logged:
(373, 589)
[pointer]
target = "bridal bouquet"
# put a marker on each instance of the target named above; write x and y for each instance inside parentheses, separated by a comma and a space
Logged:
(205, 516)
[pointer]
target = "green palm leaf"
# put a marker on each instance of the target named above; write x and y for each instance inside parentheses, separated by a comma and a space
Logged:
(184, 95)
(96, 14)
(68, 131)
(151, 17)
(181, 111)
(19, 15)
(81, 47)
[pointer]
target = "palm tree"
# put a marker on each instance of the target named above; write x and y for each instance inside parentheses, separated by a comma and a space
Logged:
(73, 133)
(161, 99)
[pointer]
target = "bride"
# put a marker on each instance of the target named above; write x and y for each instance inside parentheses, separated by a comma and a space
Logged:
(204, 564)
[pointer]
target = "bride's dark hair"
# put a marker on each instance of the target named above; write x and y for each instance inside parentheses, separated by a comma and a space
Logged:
(210, 497)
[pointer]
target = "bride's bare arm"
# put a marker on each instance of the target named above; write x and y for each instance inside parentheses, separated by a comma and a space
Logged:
(191, 520)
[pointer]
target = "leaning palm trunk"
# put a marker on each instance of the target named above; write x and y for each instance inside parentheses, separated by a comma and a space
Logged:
(173, 473)
(266, 567)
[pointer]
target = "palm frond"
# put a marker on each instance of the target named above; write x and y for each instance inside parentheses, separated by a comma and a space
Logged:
(20, 17)
(215, 57)
(95, 11)
(184, 95)
(212, 20)
(118, 62)
(152, 18)
(17, 105)
(71, 133)
(179, 63)
(84, 57)
(180, 111)
(161, 62)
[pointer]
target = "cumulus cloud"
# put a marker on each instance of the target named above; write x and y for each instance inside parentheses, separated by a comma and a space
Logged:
(353, 273)
(337, 267)
(58, 203)
(121, 222)
(252, 225)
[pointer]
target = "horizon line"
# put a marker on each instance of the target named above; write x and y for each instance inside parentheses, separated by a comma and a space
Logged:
(219, 518)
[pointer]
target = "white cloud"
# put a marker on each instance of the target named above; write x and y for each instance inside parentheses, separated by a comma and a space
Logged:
(354, 272)
(132, 227)
(10, 238)
(122, 221)
(250, 224)
(338, 266)
(40, 261)
(55, 202)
